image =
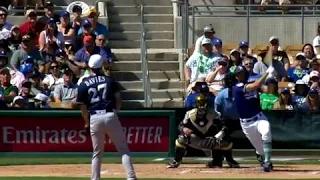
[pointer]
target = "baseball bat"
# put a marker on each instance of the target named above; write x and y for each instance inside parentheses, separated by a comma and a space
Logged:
(268, 58)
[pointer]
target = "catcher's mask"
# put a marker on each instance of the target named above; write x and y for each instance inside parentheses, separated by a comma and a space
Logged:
(201, 104)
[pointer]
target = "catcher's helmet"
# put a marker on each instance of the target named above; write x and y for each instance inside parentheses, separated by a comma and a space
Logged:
(201, 101)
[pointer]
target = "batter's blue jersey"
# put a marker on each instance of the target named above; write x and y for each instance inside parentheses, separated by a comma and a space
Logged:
(98, 93)
(247, 103)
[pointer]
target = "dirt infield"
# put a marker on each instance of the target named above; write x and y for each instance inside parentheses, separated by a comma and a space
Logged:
(188, 171)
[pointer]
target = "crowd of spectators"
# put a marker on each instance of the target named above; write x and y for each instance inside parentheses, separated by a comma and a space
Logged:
(293, 86)
(42, 59)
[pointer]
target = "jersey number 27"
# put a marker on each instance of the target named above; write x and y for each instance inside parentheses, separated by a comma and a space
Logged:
(98, 93)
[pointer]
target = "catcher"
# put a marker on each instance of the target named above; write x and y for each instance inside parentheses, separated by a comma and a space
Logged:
(196, 131)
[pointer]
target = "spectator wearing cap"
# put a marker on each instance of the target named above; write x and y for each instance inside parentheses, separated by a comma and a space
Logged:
(77, 20)
(86, 31)
(41, 101)
(15, 39)
(285, 100)
(235, 59)
(217, 47)
(49, 14)
(31, 27)
(82, 56)
(301, 91)
(248, 64)
(300, 70)
(35, 79)
(66, 28)
(65, 60)
(3, 19)
(65, 92)
(316, 41)
(53, 78)
(313, 100)
(261, 67)
(51, 35)
(25, 93)
(271, 96)
(97, 27)
(200, 64)
(18, 102)
(244, 51)
(215, 79)
(277, 55)
(7, 90)
(312, 79)
(208, 32)
(27, 50)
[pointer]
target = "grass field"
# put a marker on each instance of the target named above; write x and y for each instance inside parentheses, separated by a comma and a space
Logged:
(58, 178)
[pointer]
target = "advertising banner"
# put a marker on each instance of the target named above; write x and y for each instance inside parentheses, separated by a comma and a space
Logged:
(66, 134)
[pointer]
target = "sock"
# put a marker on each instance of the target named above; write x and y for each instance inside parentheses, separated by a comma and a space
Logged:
(267, 148)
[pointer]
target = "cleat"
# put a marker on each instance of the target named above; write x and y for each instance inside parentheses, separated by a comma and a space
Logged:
(173, 164)
(213, 164)
(267, 166)
(233, 164)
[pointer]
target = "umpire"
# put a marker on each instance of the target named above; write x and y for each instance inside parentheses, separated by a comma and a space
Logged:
(226, 110)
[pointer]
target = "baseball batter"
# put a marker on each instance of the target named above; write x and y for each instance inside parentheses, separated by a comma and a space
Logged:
(100, 100)
(196, 131)
(254, 123)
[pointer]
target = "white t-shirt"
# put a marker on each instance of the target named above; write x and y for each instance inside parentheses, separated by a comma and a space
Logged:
(51, 80)
(17, 78)
(219, 77)
(315, 42)
(200, 65)
(60, 39)
(197, 46)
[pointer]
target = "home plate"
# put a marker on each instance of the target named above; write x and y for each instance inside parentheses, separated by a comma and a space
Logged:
(211, 172)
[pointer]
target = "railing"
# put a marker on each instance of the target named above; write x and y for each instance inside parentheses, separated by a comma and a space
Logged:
(251, 11)
(144, 63)
(183, 11)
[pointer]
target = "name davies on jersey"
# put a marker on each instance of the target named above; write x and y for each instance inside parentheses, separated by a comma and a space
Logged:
(134, 135)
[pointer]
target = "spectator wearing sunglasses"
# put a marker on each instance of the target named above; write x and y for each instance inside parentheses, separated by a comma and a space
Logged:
(49, 14)
(77, 20)
(215, 79)
(51, 35)
(31, 27)
(248, 64)
(25, 93)
(97, 27)
(313, 100)
(301, 68)
(53, 78)
(101, 42)
(285, 100)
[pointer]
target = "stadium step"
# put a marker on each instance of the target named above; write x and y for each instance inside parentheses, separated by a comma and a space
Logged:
(137, 10)
(136, 35)
(138, 2)
(155, 84)
(137, 18)
(121, 55)
(167, 94)
(137, 75)
(154, 43)
(153, 66)
(157, 103)
(136, 26)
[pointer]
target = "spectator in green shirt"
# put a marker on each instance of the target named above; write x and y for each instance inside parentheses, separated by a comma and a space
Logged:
(7, 90)
(268, 99)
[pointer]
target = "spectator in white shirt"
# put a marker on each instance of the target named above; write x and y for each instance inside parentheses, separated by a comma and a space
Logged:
(52, 79)
(200, 63)
(208, 32)
(316, 41)
(215, 78)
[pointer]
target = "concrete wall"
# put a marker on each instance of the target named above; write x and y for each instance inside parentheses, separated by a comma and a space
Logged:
(235, 29)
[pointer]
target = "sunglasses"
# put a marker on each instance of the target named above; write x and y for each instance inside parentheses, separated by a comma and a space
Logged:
(222, 64)
(101, 40)
(32, 15)
(3, 15)
(54, 67)
(248, 64)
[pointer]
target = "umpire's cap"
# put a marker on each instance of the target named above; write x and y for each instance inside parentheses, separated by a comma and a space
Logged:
(95, 61)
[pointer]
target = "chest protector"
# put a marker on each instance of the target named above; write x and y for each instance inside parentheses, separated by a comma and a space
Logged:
(201, 123)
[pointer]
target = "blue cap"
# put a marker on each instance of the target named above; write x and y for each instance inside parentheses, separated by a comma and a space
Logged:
(239, 69)
(243, 44)
(28, 59)
(285, 90)
(313, 91)
(217, 41)
(52, 21)
(86, 22)
(3, 54)
(26, 68)
(271, 81)
(64, 14)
